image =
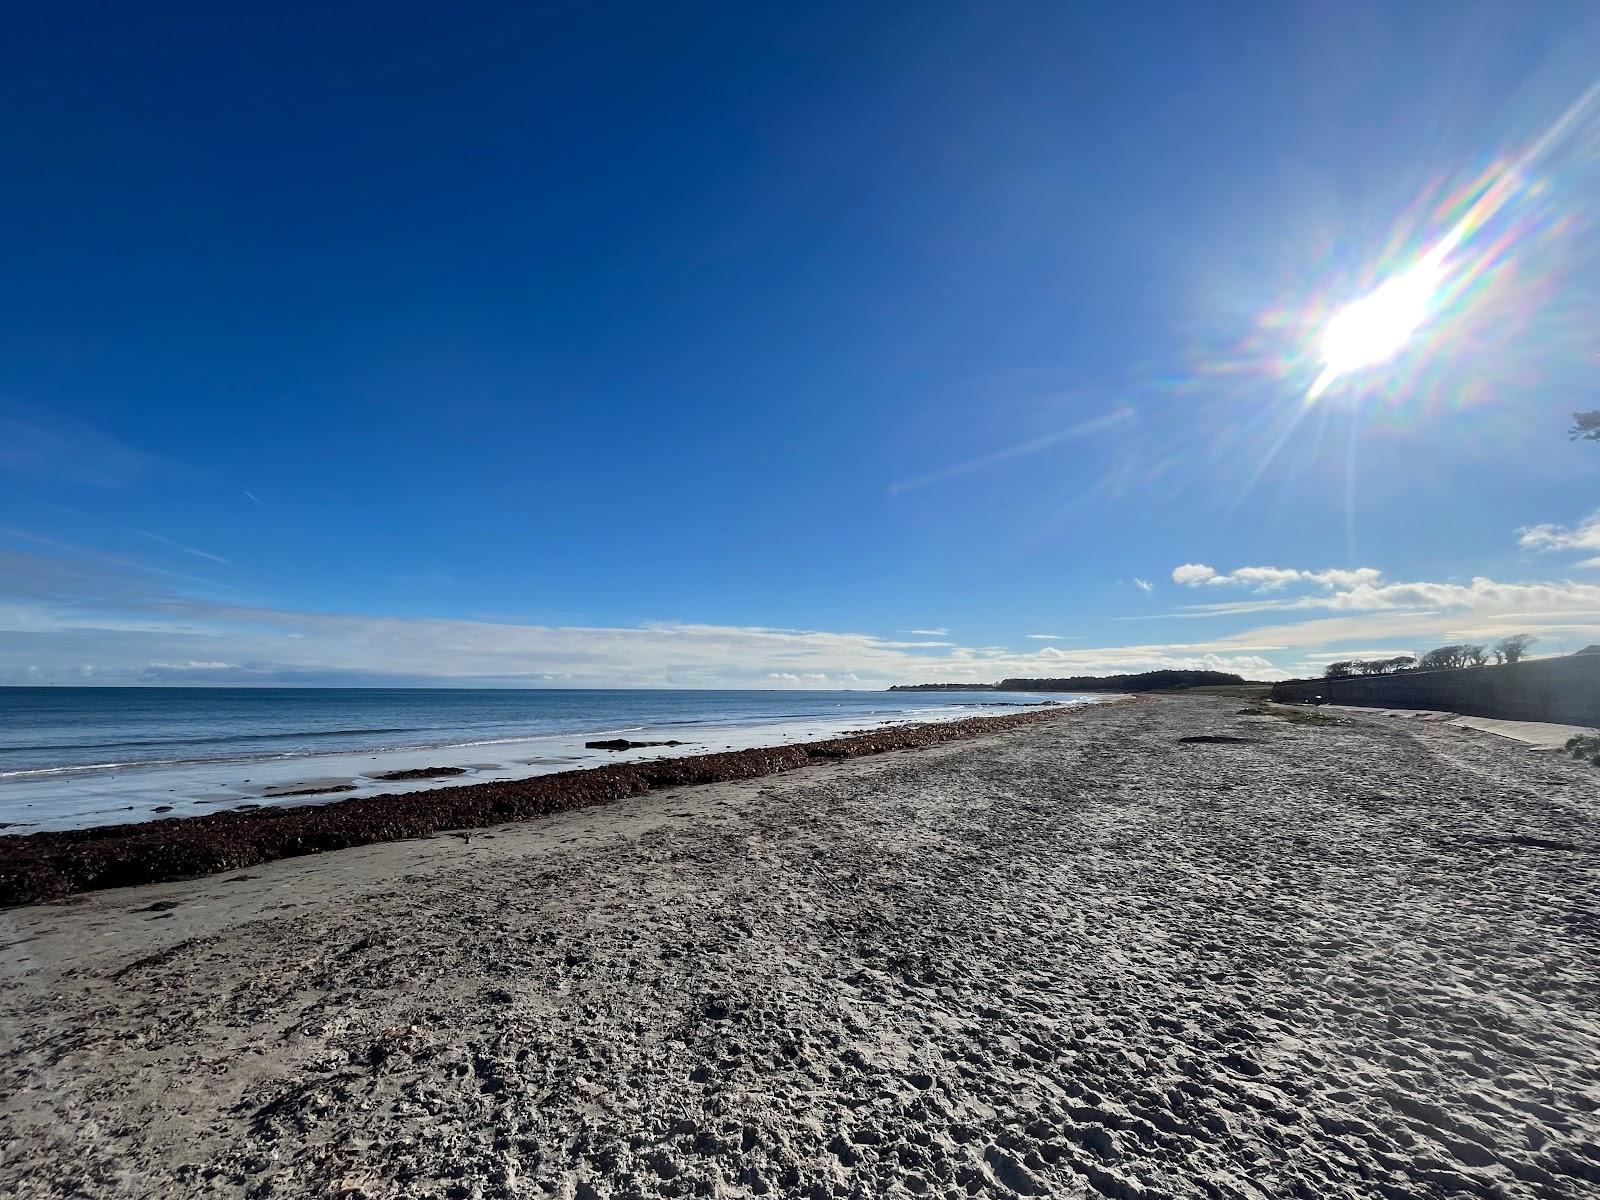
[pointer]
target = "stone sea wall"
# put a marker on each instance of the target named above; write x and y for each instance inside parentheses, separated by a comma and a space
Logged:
(1563, 690)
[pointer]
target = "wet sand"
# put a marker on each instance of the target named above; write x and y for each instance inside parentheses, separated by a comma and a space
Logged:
(1078, 958)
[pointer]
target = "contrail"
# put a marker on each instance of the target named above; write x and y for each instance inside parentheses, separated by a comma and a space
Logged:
(156, 537)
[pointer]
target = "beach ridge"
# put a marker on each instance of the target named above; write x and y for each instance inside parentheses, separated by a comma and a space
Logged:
(1184, 950)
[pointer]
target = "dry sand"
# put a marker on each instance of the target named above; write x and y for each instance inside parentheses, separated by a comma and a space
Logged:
(1077, 959)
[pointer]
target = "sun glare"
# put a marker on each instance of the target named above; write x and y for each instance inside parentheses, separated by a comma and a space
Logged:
(1378, 326)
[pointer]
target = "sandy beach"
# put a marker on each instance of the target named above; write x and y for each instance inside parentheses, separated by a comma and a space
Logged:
(1080, 957)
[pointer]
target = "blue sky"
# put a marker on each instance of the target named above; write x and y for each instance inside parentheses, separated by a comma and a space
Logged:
(706, 346)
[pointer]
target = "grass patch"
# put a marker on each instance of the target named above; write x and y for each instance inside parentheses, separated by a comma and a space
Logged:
(1295, 716)
(1240, 691)
(1585, 747)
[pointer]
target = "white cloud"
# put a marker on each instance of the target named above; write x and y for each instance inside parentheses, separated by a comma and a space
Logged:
(1480, 595)
(1270, 579)
(1372, 611)
(1144, 585)
(928, 632)
(1049, 637)
(1547, 538)
(1192, 574)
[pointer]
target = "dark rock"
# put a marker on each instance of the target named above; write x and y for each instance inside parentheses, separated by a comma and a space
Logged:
(625, 744)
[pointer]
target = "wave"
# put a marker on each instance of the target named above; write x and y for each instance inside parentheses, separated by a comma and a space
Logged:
(220, 738)
(25, 773)
(257, 747)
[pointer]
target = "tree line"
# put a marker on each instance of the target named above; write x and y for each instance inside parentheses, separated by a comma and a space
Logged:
(1144, 681)
(1440, 658)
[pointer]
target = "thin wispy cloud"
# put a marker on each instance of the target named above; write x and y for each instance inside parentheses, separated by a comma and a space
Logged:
(67, 451)
(156, 537)
(1144, 585)
(1110, 420)
(929, 632)
(84, 555)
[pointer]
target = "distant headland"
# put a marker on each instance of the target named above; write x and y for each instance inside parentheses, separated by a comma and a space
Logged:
(1145, 681)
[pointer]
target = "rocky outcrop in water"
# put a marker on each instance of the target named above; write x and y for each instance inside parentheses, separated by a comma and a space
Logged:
(625, 744)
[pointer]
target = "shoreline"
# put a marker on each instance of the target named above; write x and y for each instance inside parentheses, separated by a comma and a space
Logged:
(245, 760)
(54, 864)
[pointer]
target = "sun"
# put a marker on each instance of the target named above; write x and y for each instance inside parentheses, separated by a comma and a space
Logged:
(1378, 326)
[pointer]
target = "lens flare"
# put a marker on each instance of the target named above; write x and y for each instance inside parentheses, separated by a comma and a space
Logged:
(1378, 327)
(1325, 355)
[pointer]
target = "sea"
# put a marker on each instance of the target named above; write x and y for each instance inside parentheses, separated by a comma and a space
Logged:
(77, 757)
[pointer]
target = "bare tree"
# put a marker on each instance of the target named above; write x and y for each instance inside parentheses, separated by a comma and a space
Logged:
(1338, 670)
(1514, 648)
(1585, 426)
(1461, 654)
(1441, 658)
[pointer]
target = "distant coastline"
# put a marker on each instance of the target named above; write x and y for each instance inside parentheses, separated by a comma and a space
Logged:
(1144, 681)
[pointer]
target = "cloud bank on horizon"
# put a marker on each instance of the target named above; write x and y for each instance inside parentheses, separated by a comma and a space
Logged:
(83, 619)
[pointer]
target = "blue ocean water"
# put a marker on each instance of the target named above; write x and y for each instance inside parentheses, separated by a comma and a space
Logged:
(55, 732)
